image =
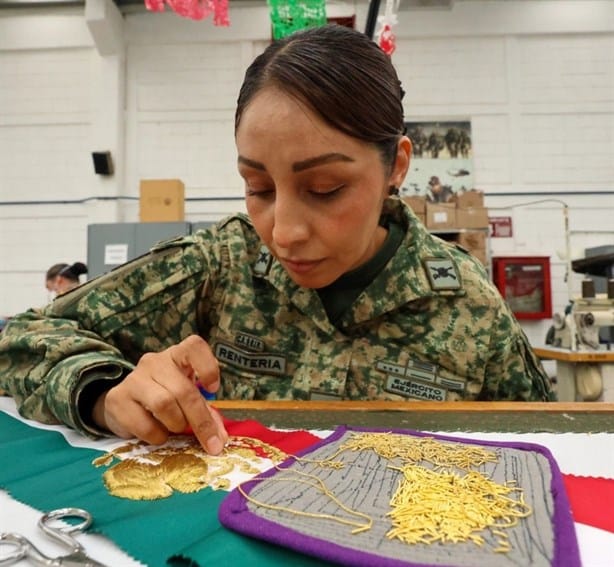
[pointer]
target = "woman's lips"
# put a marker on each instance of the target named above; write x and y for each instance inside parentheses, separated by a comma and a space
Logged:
(300, 266)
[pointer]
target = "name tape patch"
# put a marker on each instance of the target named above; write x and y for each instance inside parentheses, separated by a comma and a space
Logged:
(421, 371)
(411, 389)
(257, 363)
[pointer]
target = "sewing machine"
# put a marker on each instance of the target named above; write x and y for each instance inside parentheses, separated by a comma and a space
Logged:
(582, 339)
(588, 318)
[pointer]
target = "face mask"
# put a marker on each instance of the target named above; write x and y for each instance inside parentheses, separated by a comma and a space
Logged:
(52, 289)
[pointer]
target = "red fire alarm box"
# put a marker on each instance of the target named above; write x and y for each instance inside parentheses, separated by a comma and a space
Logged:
(524, 282)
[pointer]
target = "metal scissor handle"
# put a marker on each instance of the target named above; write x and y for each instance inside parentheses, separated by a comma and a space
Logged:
(24, 548)
(63, 534)
(21, 547)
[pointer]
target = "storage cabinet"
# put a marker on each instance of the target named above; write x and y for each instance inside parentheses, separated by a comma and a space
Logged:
(112, 244)
(524, 282)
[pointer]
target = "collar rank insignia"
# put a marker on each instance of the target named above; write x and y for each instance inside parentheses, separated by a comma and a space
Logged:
(442, 274)
(263, 263)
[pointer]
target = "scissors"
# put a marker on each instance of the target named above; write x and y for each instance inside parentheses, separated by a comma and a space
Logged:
(24, 548)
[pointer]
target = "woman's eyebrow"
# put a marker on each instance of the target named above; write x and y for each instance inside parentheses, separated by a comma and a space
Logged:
(300, 165)
(320, 160)
(251, 163)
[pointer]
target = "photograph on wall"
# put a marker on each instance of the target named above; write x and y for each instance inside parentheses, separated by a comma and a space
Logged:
(442, 160)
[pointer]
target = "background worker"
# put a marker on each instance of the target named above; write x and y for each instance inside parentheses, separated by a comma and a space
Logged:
(61, 278)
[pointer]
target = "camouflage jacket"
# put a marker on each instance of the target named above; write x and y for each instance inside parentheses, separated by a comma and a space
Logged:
(430, 326)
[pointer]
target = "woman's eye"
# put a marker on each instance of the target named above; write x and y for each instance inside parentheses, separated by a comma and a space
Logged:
(258, 191)
(328, 193)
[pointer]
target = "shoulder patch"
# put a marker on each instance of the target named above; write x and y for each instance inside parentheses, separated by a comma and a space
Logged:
(264, 261)
(442, 274)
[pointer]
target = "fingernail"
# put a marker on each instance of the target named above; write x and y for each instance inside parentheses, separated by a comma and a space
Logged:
(214, 445)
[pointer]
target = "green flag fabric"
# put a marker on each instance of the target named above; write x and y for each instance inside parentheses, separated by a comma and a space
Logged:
(39, 468)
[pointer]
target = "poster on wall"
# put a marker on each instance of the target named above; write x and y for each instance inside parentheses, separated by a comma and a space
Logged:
(442, 160)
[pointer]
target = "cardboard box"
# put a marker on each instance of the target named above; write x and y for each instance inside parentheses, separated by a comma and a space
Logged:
(161, 200)
(469, 199)
(476, 217)
(416, 204)
(480, 254)
(472, 239)
(440, 215)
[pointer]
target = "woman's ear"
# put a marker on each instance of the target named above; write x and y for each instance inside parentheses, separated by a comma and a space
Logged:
(400, 166)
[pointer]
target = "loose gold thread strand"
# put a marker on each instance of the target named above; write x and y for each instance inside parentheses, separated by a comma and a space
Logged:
(327, 463)
(431, 506)
(320, 486)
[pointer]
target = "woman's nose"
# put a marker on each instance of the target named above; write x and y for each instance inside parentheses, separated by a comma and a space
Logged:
(289, 223)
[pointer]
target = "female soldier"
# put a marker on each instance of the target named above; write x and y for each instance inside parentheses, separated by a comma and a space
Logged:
(61, 278)
(329, 289)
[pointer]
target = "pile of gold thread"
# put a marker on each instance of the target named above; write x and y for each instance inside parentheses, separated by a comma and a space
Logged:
(429, 505)
(440, 505)
(435, 506)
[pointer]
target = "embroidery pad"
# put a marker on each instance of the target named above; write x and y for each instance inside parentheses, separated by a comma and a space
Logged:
(366, 484)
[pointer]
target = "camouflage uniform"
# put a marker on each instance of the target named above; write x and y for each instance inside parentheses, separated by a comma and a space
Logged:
(430, 326)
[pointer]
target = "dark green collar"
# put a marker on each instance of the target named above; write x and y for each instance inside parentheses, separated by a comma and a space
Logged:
(339, 295)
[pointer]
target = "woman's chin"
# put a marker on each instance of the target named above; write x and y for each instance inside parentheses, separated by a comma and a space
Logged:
(311, 281)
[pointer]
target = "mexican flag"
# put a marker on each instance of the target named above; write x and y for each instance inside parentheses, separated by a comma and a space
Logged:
(53, 467)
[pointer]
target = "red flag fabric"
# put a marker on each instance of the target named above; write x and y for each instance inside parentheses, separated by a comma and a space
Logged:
(591, 500)
(290, 442)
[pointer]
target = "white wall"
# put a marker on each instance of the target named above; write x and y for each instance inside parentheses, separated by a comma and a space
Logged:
(535, 77)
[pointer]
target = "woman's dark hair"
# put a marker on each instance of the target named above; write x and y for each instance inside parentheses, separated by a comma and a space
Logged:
(55, 270)
(68, 271)
(342, 75)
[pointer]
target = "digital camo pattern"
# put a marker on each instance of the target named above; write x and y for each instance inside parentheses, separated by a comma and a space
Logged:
(403, 338)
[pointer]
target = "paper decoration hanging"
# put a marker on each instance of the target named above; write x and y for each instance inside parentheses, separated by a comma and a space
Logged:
(385, 36)
(288, 16)
(194, 9)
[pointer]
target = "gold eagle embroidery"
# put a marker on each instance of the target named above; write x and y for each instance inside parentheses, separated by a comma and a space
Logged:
(150, 472)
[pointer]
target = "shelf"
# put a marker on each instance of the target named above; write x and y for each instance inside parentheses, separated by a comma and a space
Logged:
(594, 265)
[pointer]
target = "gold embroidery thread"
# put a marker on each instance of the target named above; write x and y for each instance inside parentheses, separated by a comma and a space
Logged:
(145, 472)
(318, 485)
(428, 506)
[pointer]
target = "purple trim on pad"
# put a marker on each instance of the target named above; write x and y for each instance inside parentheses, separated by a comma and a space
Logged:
(235, 514)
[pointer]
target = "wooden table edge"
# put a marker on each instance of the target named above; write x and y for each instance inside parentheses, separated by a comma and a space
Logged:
(573, 355)
(418, 407)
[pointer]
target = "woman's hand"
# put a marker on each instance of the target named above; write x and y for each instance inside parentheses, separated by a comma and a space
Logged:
(160, 397)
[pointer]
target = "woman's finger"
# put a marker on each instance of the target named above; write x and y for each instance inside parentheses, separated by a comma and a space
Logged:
(128, 417)
(194, 355)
